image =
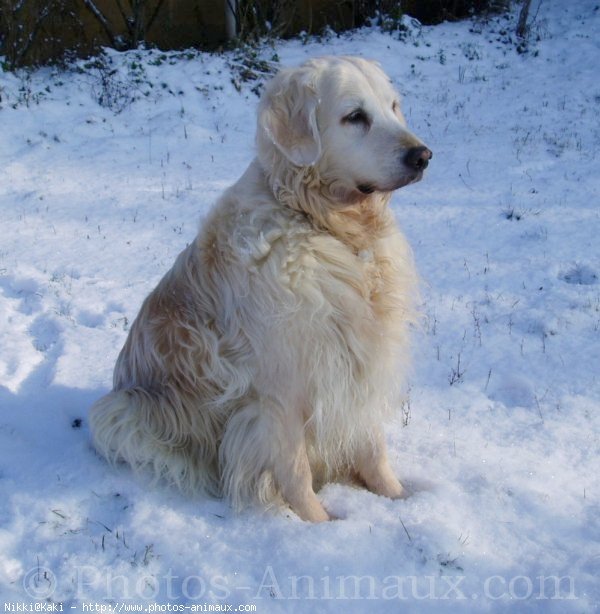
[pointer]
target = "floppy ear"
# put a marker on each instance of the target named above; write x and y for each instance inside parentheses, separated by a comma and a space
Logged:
(288, 115)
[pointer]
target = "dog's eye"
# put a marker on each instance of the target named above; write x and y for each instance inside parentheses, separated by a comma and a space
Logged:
(358, 116)
(395, 106)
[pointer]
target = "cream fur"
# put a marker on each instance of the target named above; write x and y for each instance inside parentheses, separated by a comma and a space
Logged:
(267, 358)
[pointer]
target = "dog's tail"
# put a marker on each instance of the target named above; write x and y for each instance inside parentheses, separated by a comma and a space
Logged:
(147, 432)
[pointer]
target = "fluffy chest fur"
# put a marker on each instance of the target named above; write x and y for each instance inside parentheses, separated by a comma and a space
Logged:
(332, 317)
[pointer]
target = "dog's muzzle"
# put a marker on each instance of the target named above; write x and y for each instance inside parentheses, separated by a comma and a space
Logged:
(417, 158)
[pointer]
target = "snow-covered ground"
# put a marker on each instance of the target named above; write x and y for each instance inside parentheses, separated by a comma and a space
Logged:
(104, 177)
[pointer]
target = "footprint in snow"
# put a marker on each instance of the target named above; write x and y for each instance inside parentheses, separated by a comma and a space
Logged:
(581, 275)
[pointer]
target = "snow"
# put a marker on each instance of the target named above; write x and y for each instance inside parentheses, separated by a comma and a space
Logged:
(105, 171)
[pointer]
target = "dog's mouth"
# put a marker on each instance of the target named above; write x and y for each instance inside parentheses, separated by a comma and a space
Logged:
(369, 188)
(365, 188)
(416, 178)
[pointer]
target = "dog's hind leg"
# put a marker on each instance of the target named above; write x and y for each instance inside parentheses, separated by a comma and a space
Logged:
(263, 454)
(153, 432)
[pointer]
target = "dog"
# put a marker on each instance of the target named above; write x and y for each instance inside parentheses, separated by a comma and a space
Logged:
(267, 359)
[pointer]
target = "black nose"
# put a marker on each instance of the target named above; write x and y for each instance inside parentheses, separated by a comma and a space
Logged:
(417, 158)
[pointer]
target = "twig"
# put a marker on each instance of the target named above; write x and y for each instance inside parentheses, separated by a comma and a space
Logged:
(405, 530)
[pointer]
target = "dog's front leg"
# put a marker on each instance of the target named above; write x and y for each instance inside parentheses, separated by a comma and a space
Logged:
(294, 477)
(373, 467)
(262, 439)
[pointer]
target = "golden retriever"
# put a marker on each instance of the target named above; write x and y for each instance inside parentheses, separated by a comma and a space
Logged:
(264, 361)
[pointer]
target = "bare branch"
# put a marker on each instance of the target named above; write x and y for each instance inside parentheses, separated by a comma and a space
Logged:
(102, 20)
(124, 16)
(152, 19)
(522, 23)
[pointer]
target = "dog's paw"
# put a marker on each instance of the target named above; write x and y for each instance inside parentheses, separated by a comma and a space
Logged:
(316, 515)
(311, 510)
(388, 486)
(401, 493)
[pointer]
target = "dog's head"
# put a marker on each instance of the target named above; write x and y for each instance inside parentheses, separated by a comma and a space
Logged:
(341, 117)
